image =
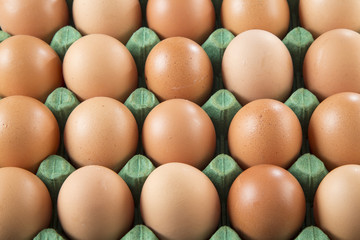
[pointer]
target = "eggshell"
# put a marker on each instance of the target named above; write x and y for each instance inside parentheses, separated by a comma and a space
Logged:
(29, 66)
(100, 65)
(28, 132)
(186, 18)
(265, 131)
(38, 18)
(256, 64)
(320, 16)
(334, 130)
(178, 130)
(266, 202)
(179, 68)
(241, 15)
(336, 203)
(95, 203)
(116, 18)
(101, 131)
(178, 201)
(25, 204)
(331, 64)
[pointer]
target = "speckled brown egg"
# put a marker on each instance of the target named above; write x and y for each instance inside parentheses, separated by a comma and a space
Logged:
(178, 130)
(179, 201)
(100, 65)
(265, 131)
(116, 18)
(25, 204)
(266, 202)
(334, 130)
(179, 68)
(331, 64)
(241, 15)
(95, 203)
(38, 18)
(101, 131)
(186, 18)
(29, 66)
(257, 64)
(29, 132)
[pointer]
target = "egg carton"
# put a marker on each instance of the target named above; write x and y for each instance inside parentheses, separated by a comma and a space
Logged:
(221, 108)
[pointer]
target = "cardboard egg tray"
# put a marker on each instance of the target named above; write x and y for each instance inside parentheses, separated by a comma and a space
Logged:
(221, 107)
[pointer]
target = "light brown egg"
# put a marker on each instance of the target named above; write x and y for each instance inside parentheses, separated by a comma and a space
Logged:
(100, 65)
(241, 15)
(29, 132)
(25, 204)
(331, 64)
(266, 202)
(38, 18)
(116, 18)
(101, 131)
(29, 66)
(256, 64)
(336, 203)
(178, 201)
(179, 68)
(320, 16)
(95, 203)
(186, 18)
(334, 130)
(265, 131)
(178, 130)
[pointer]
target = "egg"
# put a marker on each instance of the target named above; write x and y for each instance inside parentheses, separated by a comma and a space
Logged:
(117, 18)
(101, 131)
(38, 18)
(99, 65)
(29, 66)
(336, 203)
(186, 18)
(25, 204)
(334, 130)
(319, 16)
(331, 63)
(257, 64)
(265, 131)
(266, 202)
(95, 203)
(241, 15)
(28, 132)
(178, 67)
(178, 130)
(178, 201)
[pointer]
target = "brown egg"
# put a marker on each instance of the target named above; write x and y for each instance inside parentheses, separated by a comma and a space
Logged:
(28, 66)
(318, 16)
(29, 132)
(100, 65)
(336, 203)
(117, 18)
(241, 15)
(256, 64)
(95, 203)
(178, 130)
(179, 68)
(25, 204)
(178, 201)
(265, 131)
(334, 130)
(331, 64)
(266, 202)
(101, 131)
(185, 18)
(38, 18)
